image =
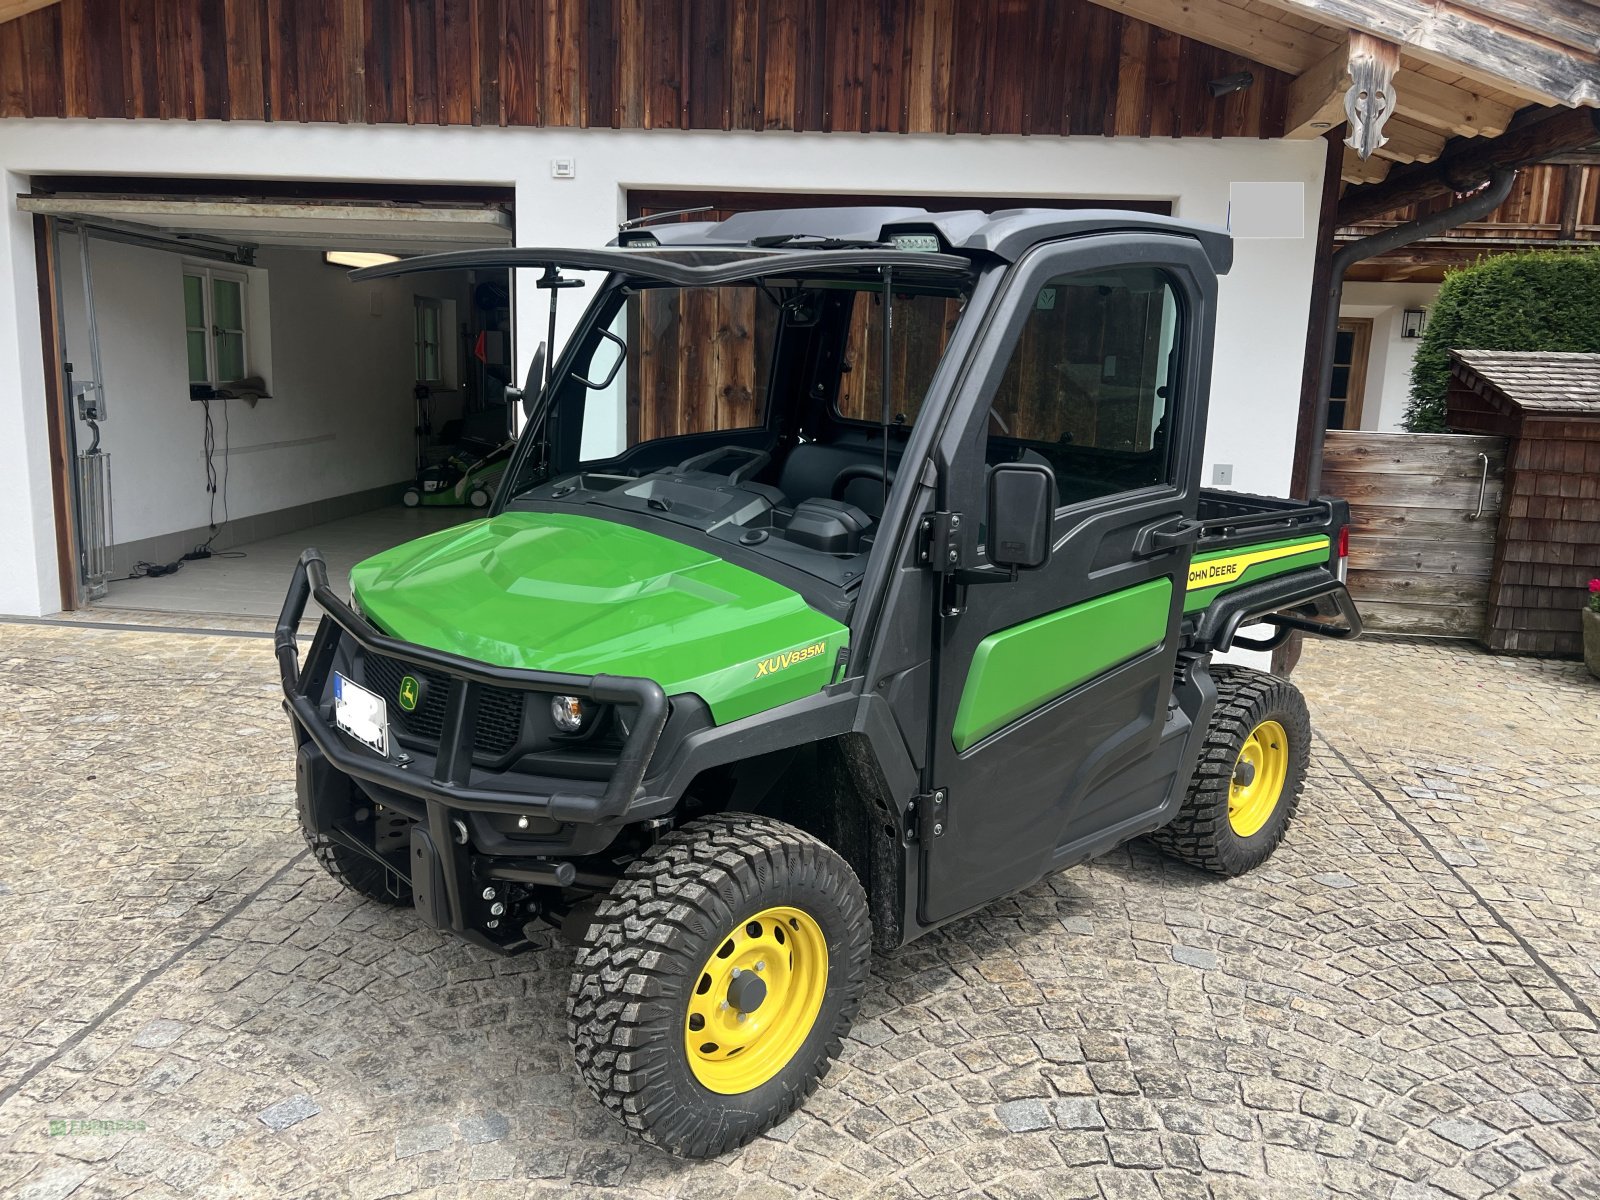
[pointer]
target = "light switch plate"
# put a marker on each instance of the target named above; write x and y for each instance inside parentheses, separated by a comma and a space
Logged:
(1222, 474)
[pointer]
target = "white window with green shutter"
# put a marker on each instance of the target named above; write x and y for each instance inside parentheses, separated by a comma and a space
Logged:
(214, 325)
(430, 340)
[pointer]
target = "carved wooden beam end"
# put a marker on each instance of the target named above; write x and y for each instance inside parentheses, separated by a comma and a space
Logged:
(1371, 98)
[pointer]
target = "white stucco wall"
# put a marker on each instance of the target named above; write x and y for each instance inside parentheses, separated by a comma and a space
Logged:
(1261, 324)
(337, 358)
(1388, 387)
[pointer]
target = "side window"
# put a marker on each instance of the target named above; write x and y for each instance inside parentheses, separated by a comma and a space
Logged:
(430, 339)
(214, 325)
(1090, 383)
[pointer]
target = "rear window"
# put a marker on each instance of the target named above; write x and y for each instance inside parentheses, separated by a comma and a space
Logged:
(923, 324)
(696, 360)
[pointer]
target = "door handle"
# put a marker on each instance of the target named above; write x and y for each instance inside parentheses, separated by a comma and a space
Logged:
(1165, 535)
(1483, 487)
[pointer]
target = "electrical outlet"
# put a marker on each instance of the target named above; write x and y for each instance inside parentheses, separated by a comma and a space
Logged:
(1222, 474)
(564, 168)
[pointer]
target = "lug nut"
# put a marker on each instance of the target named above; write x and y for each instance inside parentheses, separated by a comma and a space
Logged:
(497, 908)
(724, 1004)
(741, 1018)
(492, 924)
(737, 972)
(761, 966)
(488, 893)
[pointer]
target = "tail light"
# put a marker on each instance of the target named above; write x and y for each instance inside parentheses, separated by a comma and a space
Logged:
(1343, 568)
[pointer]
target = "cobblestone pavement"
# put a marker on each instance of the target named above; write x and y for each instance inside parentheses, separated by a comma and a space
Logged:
(1400, 1004)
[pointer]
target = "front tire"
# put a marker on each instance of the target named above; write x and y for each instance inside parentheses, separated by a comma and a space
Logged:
(717, 981)
(1247, 783)
(360, 872)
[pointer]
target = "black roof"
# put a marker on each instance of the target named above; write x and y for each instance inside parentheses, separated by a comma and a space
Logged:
(1005, 234)
(844, 242)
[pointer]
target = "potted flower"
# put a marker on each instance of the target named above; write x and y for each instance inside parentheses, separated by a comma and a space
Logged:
(1591, 629)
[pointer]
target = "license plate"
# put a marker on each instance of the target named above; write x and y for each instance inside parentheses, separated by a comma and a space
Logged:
(361, 714)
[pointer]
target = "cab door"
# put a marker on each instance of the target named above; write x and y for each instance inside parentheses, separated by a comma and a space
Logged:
(1053, 738)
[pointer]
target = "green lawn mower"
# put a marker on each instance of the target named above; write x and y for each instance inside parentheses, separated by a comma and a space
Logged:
(462, 480)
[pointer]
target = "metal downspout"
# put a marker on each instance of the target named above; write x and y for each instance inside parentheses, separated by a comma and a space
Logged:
(1474, 207)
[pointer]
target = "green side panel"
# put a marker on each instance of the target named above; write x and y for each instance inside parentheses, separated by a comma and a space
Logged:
(1021, 668)
(1309, 552)
(562, 592)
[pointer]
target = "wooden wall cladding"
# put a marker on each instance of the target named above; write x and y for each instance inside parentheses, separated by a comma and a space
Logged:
(903, 66)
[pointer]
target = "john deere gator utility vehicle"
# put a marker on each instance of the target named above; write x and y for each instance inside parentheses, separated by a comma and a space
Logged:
(852, 570)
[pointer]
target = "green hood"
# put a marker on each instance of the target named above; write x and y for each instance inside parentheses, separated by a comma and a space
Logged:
(561, 592)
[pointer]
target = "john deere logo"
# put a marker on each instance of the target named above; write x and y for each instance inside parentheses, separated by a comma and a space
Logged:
(410, 692)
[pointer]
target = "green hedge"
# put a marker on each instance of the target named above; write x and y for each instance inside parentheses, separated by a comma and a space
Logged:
(1540, 300)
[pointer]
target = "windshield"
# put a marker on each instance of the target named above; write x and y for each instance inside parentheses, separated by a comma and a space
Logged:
(754, 411)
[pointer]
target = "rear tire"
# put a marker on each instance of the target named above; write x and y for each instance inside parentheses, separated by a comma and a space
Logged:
(683, 1045)
(1247, 783)
(411, 497)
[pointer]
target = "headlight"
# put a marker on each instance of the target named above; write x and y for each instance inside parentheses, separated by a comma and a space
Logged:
(569, 713)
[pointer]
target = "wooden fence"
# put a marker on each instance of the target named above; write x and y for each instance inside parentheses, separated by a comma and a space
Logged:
(1424, 508)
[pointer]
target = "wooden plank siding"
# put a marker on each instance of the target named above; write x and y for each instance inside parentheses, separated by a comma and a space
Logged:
(1548, 202)
(1418, 563)
(1045, 67)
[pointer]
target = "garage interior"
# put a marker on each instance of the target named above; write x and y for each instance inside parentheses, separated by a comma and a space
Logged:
(229, 397)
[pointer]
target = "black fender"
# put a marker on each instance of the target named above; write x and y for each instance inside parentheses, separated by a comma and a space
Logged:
(1297, 601)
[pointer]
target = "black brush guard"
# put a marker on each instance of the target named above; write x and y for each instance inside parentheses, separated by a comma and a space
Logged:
(439, 872)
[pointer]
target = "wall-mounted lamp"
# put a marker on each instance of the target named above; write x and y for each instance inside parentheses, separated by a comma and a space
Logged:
(1228, 84)
(1412, 322)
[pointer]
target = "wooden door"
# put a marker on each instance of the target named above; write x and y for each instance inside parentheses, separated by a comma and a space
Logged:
(1424, 508)
(1348, 390)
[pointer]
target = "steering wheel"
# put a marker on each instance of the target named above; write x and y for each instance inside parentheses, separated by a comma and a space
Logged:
(855, 471)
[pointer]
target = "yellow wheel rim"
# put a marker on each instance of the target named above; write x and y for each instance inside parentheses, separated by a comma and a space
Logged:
(755, 1000)
(1258, 778)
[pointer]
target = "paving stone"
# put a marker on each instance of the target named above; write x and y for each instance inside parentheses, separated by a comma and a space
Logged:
(408, 1143)
(1078, 1114)
(486, 1127)
(282, 1115)
(1320, 1027)
(1021, 1116)
(1470, 1134)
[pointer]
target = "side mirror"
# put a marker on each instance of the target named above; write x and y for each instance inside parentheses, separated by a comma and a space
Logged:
(1022, 505)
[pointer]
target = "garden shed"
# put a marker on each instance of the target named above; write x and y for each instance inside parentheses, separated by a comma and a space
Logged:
(1548, 546)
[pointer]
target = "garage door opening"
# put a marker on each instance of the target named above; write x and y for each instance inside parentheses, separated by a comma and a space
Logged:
(231, 398)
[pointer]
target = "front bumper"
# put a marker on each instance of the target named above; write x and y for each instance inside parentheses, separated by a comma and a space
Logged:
(445, 794)
(449, 782)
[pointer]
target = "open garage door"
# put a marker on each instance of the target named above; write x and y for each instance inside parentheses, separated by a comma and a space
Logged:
(417, 228)
(250, 398)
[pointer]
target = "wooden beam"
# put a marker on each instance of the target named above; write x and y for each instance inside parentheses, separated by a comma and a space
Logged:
(1571, 22)
(1410, 143)
(10, 10)
(1449, 107)
(1468, 162)
(1357, 172)
(1315, 102)
(1446, 107)
(1232, 27)
(1443, 32)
